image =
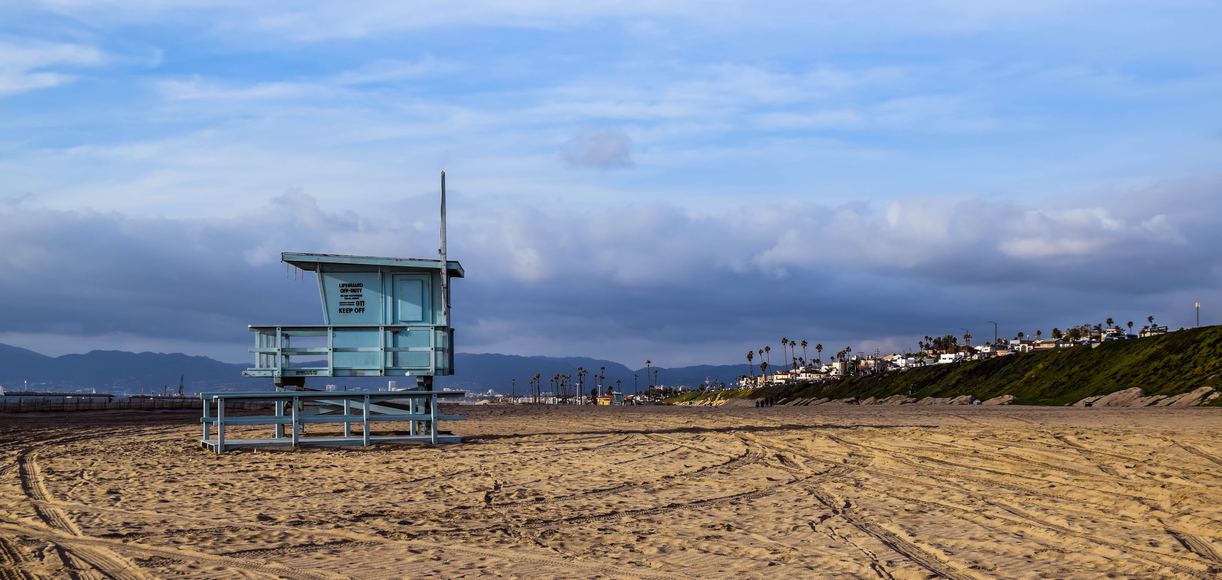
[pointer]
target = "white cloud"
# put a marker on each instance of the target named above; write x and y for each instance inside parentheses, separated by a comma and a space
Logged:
(315, 20)
(196, 88)
(599, 149)
(27, 65)
(381, 71)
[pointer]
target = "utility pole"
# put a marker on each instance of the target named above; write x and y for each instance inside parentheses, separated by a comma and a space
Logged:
(513, 390)
(445, 283)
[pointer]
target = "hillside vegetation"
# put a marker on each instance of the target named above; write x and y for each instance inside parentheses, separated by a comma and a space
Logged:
(1163, 365)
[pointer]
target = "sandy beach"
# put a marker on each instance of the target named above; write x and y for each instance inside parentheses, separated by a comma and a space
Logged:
(829, 491)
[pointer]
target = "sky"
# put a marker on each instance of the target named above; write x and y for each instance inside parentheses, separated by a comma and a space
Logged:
(678, 181)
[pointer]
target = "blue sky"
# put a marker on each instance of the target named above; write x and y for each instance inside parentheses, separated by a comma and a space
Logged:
(682, 181)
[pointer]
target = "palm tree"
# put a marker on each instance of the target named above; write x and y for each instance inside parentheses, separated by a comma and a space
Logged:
(768, 352)
(784, 343)
(1150, 319)
(764, 370)
(1130, 325)
(750, 365)
(1110, 323)
(804, 343)
(819, 351)
(648, 376)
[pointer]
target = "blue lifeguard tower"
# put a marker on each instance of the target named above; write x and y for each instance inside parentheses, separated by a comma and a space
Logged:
(382, 317)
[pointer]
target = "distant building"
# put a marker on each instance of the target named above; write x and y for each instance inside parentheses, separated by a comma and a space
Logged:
(1153, 330)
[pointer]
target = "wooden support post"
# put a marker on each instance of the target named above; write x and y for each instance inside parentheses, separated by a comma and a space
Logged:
(411, 410)
(220, 425)
(433, 417)
(206, 422)
(279, 429)
(347, 422)
(295, 426)
(365, 424)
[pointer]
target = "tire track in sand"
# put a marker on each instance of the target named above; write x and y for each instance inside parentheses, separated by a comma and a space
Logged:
(1022, 517)
(11, 561)
(901, 546)
(101, 559)
(74, 546)
(1198, 546)
(1198, 452)
(860, 457)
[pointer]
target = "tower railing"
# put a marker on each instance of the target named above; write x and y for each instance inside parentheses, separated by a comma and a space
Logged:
(363, 350)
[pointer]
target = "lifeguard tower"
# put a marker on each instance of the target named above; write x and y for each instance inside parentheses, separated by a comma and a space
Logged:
(382, 317)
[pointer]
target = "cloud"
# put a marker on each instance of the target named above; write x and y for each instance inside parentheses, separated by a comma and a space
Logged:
(383, 71)
(627, 282)
(196, 88)
(28, 65)
(599, 149)
(321, 20)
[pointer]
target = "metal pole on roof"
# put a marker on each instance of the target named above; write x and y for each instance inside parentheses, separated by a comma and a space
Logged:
(445, 265)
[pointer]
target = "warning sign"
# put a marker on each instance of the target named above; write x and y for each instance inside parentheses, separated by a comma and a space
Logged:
(352, 298)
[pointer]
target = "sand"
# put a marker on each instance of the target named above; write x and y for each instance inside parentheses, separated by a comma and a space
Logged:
(827, 491)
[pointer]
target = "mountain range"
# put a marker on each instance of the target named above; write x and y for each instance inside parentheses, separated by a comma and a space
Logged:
(148, 372)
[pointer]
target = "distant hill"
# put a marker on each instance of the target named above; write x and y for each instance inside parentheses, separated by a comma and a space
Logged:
(1170, 364)
(20, 360)
(117, 371)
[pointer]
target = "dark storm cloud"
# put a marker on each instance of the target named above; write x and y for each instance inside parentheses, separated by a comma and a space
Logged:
(634, 282)
(83, 272)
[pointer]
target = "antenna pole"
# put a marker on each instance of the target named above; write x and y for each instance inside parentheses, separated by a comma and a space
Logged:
(445, 265)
